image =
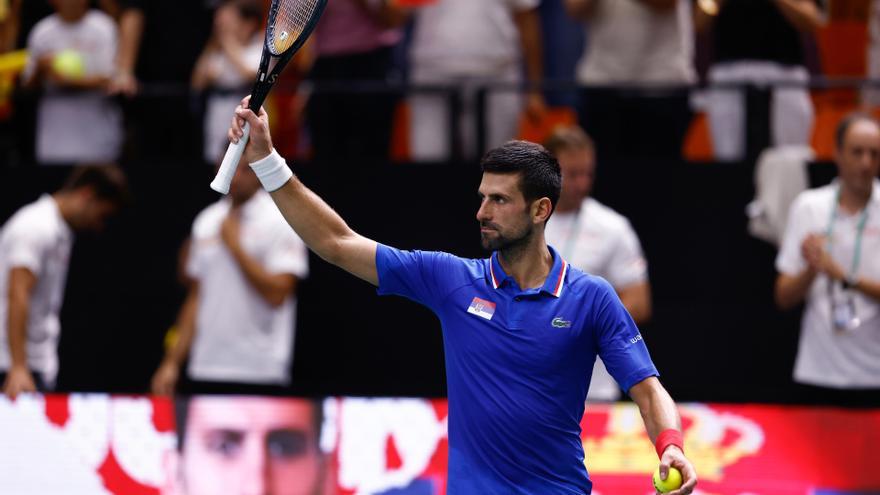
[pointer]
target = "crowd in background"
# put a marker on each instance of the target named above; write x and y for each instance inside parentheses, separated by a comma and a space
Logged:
(452, 78)
(648, 72)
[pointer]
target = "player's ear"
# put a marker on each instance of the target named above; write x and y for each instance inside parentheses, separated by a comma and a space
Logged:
(541, 209)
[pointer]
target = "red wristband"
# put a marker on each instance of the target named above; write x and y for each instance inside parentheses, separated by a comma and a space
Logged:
(667, 438)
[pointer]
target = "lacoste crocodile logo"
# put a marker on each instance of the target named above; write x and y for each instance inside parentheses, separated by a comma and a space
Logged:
(558, 322)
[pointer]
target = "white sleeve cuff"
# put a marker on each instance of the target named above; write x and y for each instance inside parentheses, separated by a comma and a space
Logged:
(272, 171)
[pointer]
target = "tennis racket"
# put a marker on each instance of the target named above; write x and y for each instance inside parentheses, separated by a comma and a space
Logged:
(290, 24)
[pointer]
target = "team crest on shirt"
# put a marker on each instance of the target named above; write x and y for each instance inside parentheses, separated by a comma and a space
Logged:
(482, 308)
(558, 322)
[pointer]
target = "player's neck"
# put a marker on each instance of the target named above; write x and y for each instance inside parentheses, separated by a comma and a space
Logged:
(529, 264)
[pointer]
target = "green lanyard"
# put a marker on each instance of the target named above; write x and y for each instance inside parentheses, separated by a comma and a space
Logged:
(863, 219)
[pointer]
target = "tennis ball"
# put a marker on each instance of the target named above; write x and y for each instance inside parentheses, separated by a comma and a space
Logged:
(673, 480)
(69, 63)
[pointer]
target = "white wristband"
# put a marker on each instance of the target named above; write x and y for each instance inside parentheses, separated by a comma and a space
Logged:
(272, 171)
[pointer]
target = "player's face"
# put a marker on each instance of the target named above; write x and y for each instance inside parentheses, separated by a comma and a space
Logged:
(504, 212)
(858, 162)
(578, 171)
(251, 446)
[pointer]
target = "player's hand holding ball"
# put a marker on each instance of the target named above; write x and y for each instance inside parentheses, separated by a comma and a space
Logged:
(671, 482)
(676, 475)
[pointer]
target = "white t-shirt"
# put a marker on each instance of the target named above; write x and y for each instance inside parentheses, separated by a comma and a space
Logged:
(599, 241)
(468, 37)
(77, 126)
(239, 336)
(628, 41)
(826, 357)
(36, 237)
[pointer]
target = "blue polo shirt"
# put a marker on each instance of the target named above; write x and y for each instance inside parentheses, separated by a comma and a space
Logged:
(518, 365)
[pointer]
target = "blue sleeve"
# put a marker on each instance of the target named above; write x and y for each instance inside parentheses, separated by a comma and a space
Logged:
(619, 342)
(422, 276)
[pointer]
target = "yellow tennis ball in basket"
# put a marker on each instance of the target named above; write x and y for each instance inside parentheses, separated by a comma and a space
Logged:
(673, 480)
(69, 63)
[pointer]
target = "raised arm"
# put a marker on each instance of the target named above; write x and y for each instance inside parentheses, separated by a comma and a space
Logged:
(321, 228)
(662, 421)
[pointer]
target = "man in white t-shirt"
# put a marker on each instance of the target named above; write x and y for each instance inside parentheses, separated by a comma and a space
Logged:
(468, 43)
(35, 246)
(829, 258)
(596, 239)
(240, 311)
(72, 56)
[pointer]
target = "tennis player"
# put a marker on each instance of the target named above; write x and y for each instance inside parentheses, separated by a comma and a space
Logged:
(521, 328)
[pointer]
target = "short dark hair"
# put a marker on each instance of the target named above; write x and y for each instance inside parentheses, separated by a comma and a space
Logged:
(107, 181)
(847, 122)
(564, 138)
(539, 172)
(181, 416)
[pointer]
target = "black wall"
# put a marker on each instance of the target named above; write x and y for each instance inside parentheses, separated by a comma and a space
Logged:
(715, 335)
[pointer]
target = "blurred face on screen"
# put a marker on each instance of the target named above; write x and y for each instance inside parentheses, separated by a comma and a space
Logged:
(251, 446)
(578, 170)
(858, 162)
(504, 212)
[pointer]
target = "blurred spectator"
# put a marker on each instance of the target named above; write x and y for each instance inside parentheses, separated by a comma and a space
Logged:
(759, 42)
(35, 246)
(353, 43)
(469, 44)
(596, 239)
(72, 53)
(646, 43)
(240, 311)
(829, 258)
(227, 66)
(247, 445)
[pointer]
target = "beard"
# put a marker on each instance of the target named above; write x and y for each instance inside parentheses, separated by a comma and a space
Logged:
(505, 241)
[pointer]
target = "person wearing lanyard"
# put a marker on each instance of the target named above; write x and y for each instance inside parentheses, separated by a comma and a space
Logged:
(830, 258)
(596, 239)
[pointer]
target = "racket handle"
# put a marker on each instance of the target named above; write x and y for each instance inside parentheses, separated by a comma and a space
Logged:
(233, 154)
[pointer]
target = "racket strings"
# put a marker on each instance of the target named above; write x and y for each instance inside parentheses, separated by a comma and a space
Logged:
(290, 20)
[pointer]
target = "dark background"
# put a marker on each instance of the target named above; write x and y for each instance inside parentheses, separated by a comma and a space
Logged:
(715, 334)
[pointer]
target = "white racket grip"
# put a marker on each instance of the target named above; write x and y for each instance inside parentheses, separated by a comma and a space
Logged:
(233, 154)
